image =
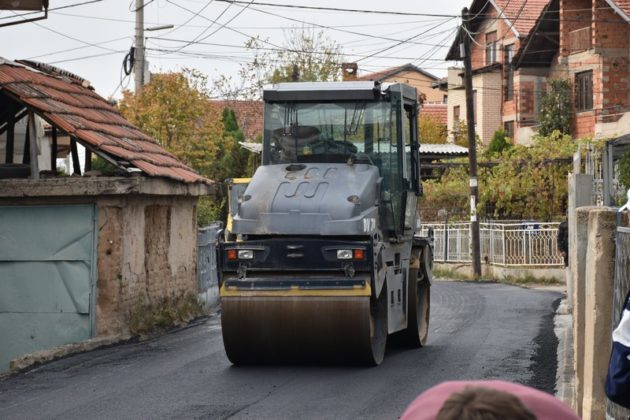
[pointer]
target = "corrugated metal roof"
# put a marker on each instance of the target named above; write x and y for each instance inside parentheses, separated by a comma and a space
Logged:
(425, 149)
(68, 102)
(443, 149)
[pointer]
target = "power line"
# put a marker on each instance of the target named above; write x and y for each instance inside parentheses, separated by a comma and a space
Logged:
(338, 9)
(186, 25)
(404, 41)
(76, 48)
(331, 28)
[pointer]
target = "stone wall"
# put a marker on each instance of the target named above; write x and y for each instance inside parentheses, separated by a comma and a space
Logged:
(146, 260)
(146, 256)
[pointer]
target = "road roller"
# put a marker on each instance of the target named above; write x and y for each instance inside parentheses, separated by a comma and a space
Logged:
(325, 260)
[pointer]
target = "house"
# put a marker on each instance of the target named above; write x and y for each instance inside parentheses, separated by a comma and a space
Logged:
(499, 28)
(519, 46)
(593, 41)
(408, 73)
(86, 256)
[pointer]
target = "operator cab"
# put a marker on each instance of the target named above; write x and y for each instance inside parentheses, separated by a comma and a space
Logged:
(353, 123)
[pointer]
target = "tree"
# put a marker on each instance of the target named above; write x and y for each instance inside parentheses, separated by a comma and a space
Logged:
(522, 182)
(305, 56)
(175, 109)
(431, 131)
(556, 108)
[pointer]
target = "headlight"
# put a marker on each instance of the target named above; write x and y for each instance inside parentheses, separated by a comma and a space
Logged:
(245, 254)
(344, 254)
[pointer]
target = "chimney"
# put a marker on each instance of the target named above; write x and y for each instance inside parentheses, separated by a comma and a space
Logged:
(349, 71)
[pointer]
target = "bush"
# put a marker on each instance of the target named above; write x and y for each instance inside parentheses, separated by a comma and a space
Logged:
(500, 142)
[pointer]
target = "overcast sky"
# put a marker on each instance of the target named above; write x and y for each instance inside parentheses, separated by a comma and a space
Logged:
(91, 40)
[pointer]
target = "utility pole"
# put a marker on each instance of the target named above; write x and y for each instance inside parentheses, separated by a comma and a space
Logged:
(139, 51)
(472, 147)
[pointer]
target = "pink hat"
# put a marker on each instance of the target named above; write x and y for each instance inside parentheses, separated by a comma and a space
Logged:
(546, 407)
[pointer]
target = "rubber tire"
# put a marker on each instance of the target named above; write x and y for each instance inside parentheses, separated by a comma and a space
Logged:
(378, 328)
(419, 292)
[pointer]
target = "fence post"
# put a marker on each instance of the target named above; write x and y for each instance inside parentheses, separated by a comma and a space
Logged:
(599, 280)
(580, 194)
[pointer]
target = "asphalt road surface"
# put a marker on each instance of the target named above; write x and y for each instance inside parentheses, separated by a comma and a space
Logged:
(477, 331)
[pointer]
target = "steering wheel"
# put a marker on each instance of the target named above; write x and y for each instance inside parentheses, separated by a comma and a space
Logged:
(333, 146)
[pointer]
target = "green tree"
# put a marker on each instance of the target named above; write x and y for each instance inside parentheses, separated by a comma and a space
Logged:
(306, 56)
(556, 108)
(500, 142)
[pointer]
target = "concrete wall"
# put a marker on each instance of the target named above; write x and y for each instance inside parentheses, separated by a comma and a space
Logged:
(592, 265)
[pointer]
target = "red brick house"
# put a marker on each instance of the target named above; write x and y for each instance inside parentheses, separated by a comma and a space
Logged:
(503, 98)
(520, 45)
(593, 54)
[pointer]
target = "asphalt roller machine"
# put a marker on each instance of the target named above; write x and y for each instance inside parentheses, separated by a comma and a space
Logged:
(326, 262)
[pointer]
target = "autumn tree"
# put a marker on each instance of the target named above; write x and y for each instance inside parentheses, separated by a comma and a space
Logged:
(431, 131)
(305, 56)
(175, 109)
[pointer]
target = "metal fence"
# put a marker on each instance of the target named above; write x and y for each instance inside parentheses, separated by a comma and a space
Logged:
(505, 244)
(621, 287)
(207, 275)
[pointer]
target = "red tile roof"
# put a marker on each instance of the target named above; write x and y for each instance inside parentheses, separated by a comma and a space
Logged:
(67, 102)
(519, 15)
(249, 115)
(623, 6)
(392, 71)
(437, 112)
(522, 14)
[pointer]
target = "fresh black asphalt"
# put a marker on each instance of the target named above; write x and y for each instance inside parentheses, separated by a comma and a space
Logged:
(478, 331)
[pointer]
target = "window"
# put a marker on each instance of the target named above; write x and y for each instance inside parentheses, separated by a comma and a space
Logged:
(584, 91)
(508, 126)
(508, 55)
(491, 47)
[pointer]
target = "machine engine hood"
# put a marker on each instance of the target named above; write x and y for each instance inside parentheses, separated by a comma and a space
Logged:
(310, 199)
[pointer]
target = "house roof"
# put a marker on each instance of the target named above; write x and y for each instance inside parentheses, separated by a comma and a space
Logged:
(622, 7)
(249, 115)
(447, 149)
(542, 43)
(392, 71)
(68, 102)
(437, 112)
(519, 15)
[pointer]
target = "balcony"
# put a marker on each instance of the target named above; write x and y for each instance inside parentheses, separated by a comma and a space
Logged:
(579, 40)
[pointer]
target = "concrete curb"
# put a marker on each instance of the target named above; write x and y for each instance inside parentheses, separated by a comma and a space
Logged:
(565, 376)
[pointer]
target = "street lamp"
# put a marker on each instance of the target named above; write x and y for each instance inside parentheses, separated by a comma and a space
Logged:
(160, 27)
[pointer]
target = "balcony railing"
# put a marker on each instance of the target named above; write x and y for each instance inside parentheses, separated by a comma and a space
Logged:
(580, 40)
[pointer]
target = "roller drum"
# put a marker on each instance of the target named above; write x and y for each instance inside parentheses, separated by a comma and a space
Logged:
(303, 329)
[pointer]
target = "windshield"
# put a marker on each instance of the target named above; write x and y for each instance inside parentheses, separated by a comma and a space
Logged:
(331, 132)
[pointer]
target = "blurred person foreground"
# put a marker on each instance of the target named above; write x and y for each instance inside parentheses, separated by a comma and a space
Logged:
(486, 400)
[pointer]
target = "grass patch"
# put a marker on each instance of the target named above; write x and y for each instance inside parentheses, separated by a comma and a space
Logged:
(150, 318)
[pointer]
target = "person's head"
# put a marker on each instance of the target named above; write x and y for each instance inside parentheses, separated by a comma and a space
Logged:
(481, 403)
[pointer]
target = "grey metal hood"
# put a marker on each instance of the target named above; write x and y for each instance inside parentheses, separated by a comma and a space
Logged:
(310, 199)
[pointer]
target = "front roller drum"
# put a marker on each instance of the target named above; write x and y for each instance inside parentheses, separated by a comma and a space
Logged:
(304, 329)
